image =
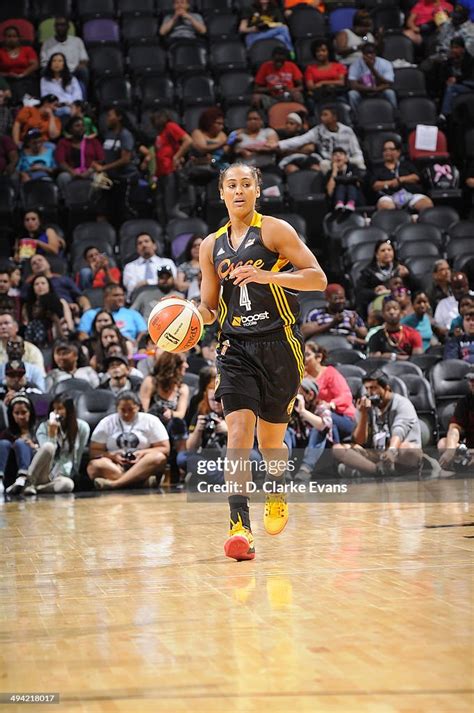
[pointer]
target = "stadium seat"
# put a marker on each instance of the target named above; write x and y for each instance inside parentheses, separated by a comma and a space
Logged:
(235, 88)
(222, 27)
(409, 82)
(128, 235)
(333, 227)
(331, 342)
(443, 216)
(390, 220)
(191, 116)
(14, 8)
(356, 386)
(351, 370)
(422, 398)
(344, 356)
(71, 386)
(416, 232)
(40, 195)
(306, 22)
(157, 92)
(189, 226)
(360, 252)
(95, 233)
(236, 116)
(417, 110)
(371, 363)
(425, 361)
(135, 7)
(146, 60)
(106, 62)
(95, 295)
(227, 56)
(460, 247)
(373, 144)
(401, 368)
(387, 19)
(114, 92)
(79, 197)
(341, 18)
(140, 31)
(187, 58)
(357, 236)
(398, 386)
(462, 229)
(272, 197)
(93, 405)
(215, 210)
(375, 115)
(100, 32)
(7, 197)
(423, 156)
(304, 54)
(307, 197)
(418, 248)
(398, 47)
(212, 7)
(447, 379)
(25, 29)
(90, 9)
(445, 413)
(422, 268)
(261, 51)
(196, 90)
(278, 112)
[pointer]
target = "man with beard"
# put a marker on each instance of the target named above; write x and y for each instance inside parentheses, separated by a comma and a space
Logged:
(335, 318)
(149, 297)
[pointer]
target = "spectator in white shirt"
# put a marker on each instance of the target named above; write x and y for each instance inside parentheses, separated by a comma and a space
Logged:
(71, 47)
(58, 80)
(448, 308)
(144, 270)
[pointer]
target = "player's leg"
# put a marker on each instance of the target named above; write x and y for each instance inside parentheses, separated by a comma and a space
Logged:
(275, 453)
(240, 437)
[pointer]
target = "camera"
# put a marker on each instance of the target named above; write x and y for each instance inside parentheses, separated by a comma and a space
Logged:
(129, 455)
(374, 400)
(54, 418)
(462, 457)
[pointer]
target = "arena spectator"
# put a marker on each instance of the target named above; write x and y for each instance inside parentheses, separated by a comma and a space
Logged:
(251, 146)
(69, 363)
(8, 156)
(348, 42)
(306, 156)
(448, 308)
(64, 286)
(424, 17)
(15, 382)
(117, 377)
(296, 123)
(36, 158)
(164, 393)
(38, 239)
(458, 25)
(278, 79)
(387, 424)
(335, 318)
(144, 270)
(457, 75)
(40, 117)
(441, 286)
(15, 350)
(182, 24)
(83, 110)
(207, 376)
(344, 182)
(104, 334)
(58, 80)
(324, 79)
(394, 340)
(264, 20)
(460, 430)
(210, 145)
(189, 269)
(371, 76)
(165, 286)
(98, 272)
(18, 441)
(62, 441)
(313, 426)
(422, 320)
(129, 321)
(127, 447)
(76, 153)
(465, 304)
(70, 46)
(334, 390)
(172, 144)
(327, 136)
(45, 316)
(9, 328)
(462, 346)
(374, 278)
(18, 64)
(396, 182)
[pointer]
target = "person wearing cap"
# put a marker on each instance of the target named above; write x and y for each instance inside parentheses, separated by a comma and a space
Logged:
(36, 159)
(66, 356)
(335, 318)
(461, 427)
(144, 269)
(371, 76)
(448, 308)
(9, 328)
(306, 158)
(40, 117)
(15, 348)
(15, 382)
(146, 299)
(462, 346)
(117, 377)
(278, 79)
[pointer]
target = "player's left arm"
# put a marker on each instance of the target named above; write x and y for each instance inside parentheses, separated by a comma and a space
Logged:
(281, 237)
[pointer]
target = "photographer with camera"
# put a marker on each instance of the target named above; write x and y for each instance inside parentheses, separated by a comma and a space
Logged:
(387, 436)
(457, 449)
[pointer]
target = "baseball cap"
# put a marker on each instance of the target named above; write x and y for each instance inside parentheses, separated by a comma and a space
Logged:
(293, 116)
(116, 357)
(63, 344)
(164, 270)
(310, 385)
(15, 368)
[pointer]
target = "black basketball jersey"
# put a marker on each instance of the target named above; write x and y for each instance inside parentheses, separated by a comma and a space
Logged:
(251, 309)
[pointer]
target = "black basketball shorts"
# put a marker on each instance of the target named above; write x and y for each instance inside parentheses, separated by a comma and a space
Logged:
(266, 369)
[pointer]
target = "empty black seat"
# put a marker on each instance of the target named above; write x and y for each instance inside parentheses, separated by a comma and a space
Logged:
(418, 248)
(157, 92)
(197, 90)
(93, 405)
(306, 22)
(261, 51)
(146, 60)
(40, 195)
(409, 82)
(187, 58)
(442, 216)
(398, 47)
(106, 62)
(390, 220)
(235, 87)
(135, 7)
(114, 92)
(131, 229)
(417, 110)
(90, 9)
(227, 56)
(375, 115)
(222, 27)
(357, 236)
(142, 30)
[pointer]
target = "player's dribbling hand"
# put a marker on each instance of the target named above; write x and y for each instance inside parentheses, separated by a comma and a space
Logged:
(244, 274)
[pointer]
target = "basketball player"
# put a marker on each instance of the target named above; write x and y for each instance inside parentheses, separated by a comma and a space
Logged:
(260, 360)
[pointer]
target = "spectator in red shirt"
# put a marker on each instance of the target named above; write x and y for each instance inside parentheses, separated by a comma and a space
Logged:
(76, 154)
(394, 340)
(18, 64)
(279, 79)
(424, 17)
(323, 78)
(171, 145)
(98, 272)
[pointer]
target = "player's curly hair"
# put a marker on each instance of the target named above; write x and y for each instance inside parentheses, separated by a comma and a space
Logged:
(256, 173)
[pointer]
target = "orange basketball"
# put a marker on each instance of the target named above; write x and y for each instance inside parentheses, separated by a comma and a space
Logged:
(175, 325)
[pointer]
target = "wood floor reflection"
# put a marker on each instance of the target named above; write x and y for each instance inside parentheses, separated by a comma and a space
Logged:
(125, 603)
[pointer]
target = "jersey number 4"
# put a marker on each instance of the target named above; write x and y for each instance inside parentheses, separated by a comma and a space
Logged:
(244, 298)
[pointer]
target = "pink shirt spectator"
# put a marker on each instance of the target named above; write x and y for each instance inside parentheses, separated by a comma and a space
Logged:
(425, 10)
(333, 387)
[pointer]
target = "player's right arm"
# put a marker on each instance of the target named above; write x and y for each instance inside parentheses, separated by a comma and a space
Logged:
(210, 284)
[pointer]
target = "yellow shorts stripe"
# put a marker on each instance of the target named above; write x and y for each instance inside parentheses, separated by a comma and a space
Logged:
(296, 349)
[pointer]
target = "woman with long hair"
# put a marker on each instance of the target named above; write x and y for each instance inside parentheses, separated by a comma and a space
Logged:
(38, 239)
(207, 375)
(62, 439)
(58, 80)
(102, 319)
(164, 393)
(19, 438)
(210, 142)
(110, 334)
(189, 269)
(45, 315)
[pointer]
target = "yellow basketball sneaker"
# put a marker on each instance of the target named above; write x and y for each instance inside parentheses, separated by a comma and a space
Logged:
(276, 513)
(239, 545)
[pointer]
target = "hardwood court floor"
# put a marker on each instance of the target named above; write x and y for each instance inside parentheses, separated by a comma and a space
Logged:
(125, 603)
